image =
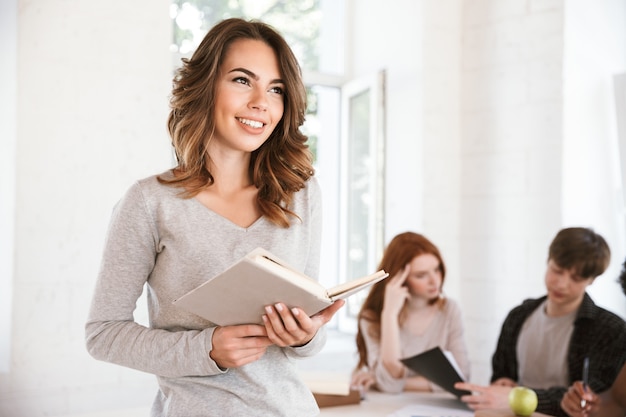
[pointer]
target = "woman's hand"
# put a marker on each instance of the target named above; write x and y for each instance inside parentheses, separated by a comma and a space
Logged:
(235, 346)
(292, 327)
(362, 380)
(572, 402)
(396, 293)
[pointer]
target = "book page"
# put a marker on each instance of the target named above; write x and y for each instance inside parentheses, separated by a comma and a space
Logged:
(348, 288)
(275, 265)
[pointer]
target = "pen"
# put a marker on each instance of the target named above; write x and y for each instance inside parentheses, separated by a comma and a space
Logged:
(583, 402)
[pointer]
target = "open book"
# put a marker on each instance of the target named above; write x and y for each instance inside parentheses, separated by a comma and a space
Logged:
(439, 367)
(239, 294)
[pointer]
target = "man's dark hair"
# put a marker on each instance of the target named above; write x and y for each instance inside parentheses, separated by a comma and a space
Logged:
(581, 249)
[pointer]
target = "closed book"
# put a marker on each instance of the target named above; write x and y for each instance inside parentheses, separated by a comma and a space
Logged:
(240, 293)
(334, 400)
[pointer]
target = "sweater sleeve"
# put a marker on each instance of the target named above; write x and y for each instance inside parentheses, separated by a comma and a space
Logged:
(112, 335)
(504, 359)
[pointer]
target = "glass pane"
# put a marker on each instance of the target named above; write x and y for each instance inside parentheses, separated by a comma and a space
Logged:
(323, 129)
(362, 184)
(359, 205)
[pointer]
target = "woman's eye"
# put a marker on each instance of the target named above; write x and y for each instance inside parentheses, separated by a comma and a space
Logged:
(242, 80)
(277, 90)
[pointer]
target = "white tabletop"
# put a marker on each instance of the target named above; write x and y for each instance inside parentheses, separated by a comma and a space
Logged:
(381, 405)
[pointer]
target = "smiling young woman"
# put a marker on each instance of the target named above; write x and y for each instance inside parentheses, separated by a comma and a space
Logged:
(243, 180)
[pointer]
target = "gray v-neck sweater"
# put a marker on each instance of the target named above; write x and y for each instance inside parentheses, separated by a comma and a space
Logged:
(170, 245)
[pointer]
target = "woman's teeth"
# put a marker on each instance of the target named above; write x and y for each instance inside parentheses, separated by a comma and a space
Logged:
(251, 123)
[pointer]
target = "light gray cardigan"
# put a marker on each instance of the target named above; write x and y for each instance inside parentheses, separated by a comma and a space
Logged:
(170, 245)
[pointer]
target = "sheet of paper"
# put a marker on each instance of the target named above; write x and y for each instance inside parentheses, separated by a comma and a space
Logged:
(455, 365)
(416, 410)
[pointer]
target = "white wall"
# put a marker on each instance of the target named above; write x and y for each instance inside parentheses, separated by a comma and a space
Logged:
(473, 142)
(511, 156)
(441, 139)
(527, 104)
(93, 85)
(383, 38)
(477, 138)
(594, 53)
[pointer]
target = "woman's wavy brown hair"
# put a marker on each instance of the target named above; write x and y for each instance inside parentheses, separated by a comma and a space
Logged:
(282, 165)
(400, 251)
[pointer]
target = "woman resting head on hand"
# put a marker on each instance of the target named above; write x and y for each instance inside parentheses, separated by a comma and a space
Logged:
(405, 315)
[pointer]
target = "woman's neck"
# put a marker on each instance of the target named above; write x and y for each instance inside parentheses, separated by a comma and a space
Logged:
(418, 303)
(230, 175)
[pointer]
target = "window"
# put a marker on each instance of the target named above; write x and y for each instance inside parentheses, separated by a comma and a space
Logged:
(362, 164)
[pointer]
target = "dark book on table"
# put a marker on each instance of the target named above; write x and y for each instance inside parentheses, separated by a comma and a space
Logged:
(438, 367)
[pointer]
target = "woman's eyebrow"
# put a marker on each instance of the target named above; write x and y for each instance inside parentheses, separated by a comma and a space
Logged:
(254, 76)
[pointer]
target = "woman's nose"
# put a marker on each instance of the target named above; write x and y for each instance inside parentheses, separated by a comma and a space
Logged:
(258, 100)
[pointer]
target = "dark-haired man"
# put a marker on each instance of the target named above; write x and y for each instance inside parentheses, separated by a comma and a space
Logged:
(543, 342)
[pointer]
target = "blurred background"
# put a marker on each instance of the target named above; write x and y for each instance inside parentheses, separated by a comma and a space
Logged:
(486, 125)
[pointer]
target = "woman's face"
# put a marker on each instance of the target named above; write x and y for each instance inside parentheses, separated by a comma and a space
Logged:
(249, 97)
(424, 278)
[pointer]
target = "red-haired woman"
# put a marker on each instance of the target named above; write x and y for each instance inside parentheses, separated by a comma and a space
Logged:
(406, 315)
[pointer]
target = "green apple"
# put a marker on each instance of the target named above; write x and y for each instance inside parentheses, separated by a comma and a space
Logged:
(523, 401)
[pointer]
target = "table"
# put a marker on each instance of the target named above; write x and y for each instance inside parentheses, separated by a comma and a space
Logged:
(503, 413)
(378, 404)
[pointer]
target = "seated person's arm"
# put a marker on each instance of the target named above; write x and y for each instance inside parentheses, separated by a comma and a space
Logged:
(417, 383)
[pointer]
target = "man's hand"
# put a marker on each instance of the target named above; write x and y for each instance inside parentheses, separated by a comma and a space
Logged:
(572, 402)
(482, 397)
